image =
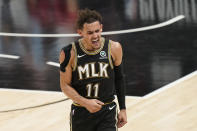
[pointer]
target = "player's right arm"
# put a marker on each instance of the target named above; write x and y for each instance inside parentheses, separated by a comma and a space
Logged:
(92, 105)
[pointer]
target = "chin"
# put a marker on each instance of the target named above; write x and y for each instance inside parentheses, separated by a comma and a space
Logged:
(96, 46)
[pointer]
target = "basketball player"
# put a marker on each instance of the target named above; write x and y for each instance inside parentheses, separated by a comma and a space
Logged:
(90, 74)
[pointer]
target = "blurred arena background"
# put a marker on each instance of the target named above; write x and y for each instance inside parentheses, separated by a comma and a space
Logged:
(152, 58)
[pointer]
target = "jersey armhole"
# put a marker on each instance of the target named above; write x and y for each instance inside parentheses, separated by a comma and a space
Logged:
(109, 55)
(75, 56)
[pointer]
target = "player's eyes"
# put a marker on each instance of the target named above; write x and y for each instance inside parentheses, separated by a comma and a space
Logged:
(90, 33)
(97, 31)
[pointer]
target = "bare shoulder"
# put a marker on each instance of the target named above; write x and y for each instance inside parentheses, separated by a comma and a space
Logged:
(62, 56)
(115, 46)
(116, 52)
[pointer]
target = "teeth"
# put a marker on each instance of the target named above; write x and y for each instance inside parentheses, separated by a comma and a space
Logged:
(95, 40)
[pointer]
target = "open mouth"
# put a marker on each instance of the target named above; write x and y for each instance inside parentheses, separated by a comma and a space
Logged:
(95, 41)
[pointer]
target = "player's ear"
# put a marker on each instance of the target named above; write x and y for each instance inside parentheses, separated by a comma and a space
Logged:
(101, 27)
(79, 31)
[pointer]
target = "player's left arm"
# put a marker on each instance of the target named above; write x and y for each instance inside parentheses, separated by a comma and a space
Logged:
(116, 52)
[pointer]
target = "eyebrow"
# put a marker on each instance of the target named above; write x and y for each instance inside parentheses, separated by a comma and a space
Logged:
(93, 31)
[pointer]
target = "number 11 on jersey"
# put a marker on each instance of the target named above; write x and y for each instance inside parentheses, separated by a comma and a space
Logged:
(92, 88)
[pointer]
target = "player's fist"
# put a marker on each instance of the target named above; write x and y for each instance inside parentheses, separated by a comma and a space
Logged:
(122, 118)
(94, 105)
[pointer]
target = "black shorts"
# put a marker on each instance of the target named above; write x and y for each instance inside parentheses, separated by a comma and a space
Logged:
(104, 120)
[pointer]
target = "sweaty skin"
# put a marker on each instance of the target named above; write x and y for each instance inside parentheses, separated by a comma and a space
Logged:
(91, 40)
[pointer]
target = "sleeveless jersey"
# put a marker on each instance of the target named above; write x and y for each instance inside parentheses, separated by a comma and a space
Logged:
(93, 74)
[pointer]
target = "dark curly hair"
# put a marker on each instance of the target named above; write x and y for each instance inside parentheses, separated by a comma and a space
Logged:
(87, 16)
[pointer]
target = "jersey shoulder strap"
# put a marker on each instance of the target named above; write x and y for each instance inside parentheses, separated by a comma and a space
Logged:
(110, 55)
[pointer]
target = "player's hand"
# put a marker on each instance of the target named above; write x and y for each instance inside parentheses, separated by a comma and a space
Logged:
(94, 105)
(122, 118)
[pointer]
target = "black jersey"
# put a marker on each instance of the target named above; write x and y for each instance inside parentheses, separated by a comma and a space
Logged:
(93, 74)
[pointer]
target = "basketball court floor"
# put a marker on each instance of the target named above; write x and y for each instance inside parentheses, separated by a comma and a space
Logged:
(160, 61)
(172, 107)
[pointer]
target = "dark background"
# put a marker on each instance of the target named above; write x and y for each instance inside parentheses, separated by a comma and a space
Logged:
(152, 58)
